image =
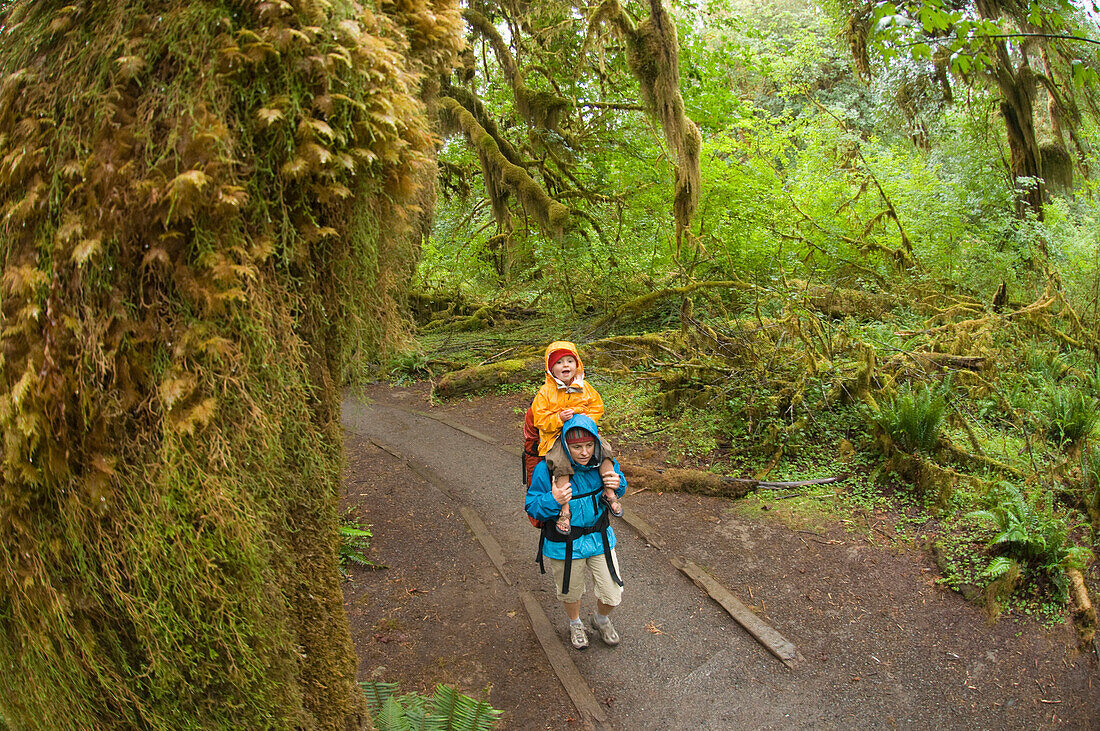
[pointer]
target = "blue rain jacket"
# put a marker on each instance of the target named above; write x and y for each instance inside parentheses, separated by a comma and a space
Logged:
(541, 505)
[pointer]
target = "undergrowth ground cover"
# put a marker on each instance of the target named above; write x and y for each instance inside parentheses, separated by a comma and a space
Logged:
(982, 461)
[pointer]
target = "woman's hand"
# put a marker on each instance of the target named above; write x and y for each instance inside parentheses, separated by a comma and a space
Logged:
(566, 415)
(562, 493)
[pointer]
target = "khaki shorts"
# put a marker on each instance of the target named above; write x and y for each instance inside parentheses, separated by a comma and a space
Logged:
(604, 587)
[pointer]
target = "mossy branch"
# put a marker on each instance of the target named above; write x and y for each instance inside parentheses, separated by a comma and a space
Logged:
(474, 105)
(539, 108)
(552, 216)
(481, 25)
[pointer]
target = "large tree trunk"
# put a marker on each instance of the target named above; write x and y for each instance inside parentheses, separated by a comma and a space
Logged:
(206, 211)
(1017, 108)
(1016, 84)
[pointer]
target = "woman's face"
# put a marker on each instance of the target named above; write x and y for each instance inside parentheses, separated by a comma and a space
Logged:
(581, 452)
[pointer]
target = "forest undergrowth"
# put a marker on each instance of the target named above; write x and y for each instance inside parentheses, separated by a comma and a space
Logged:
(962, 425)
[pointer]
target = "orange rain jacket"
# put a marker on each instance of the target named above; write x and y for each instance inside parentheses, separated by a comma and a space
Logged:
(555, 396)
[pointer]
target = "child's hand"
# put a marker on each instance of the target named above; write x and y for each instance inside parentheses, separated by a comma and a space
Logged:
(566, 415)
(562, 493)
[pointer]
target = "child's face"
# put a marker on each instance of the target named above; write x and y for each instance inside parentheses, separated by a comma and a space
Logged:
(581, 452)
(565, 368)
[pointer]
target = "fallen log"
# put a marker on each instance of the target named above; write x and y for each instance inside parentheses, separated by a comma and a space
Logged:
(1084, 614)
(701, 482)
(941, 361)
(474, 378)
(608, 354)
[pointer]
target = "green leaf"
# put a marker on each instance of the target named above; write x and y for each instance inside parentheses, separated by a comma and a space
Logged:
(377, 693)
(392, 717)
(1035, 15)
(961, 64)
(1083, 75)
(999, 566)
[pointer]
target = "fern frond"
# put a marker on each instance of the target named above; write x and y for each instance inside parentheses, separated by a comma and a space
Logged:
(392, 717)
(999, 566)
(377, 692)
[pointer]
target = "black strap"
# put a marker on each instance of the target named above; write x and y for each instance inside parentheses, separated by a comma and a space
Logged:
(523, 465)
(550, 533)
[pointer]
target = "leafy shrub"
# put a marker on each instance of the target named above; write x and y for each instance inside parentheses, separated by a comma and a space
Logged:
(1044, 365)
(446, 709)
(409, 364)
(1071, 415)
(913, 417)
(1090, 472)
(1032, 535)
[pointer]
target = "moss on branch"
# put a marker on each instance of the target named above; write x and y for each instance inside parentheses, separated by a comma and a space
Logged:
(552, 216)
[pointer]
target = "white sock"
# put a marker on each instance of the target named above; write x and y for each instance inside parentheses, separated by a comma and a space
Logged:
(602, 619)
(576, 622)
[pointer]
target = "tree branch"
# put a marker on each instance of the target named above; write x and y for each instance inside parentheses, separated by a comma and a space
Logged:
(611, 105)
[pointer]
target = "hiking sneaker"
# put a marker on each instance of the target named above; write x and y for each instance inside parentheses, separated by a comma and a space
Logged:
(606, 631)
(578, 637)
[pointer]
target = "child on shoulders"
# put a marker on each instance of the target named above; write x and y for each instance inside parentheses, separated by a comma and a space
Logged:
(564, 394)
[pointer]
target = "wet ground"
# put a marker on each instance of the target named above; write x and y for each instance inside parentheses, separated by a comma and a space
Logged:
(883, 644)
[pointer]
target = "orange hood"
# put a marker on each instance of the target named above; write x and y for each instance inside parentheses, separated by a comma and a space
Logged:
(560, 345)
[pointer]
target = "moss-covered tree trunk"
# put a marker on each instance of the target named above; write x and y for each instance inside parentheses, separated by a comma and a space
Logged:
(207, 210)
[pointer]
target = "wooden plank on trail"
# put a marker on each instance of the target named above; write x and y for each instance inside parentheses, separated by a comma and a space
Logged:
(644, 529)
(775, 643)
(481, 532)
(455, 425)
(579, 692)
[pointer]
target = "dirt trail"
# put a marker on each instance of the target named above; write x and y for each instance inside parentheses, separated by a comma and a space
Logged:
(884, 645)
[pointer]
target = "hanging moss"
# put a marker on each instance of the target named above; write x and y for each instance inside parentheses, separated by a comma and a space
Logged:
(207, 213)
(653, 55)
(857, 29)
(538, 108)
(1057, 167)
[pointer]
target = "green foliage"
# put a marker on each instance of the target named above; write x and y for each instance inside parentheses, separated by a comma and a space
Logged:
(913, 417)
(1029, 531)
(409, 364)
(354, 542)
(812, 180)
(193, 263)
(1090, 473)
(1071, 414)
(446, 709)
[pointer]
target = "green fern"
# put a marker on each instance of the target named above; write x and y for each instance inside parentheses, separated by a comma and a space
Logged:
(1090, 471)
(913, 417)
(1000, 566)
(445, 710)
(1071, 415)
(392, 717)
(1032, 534)
(354, 541)
(377, 692)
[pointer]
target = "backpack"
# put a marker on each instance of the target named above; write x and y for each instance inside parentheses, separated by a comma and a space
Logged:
(530, 458)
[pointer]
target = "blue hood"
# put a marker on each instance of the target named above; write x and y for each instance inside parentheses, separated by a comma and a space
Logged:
(584, 422)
